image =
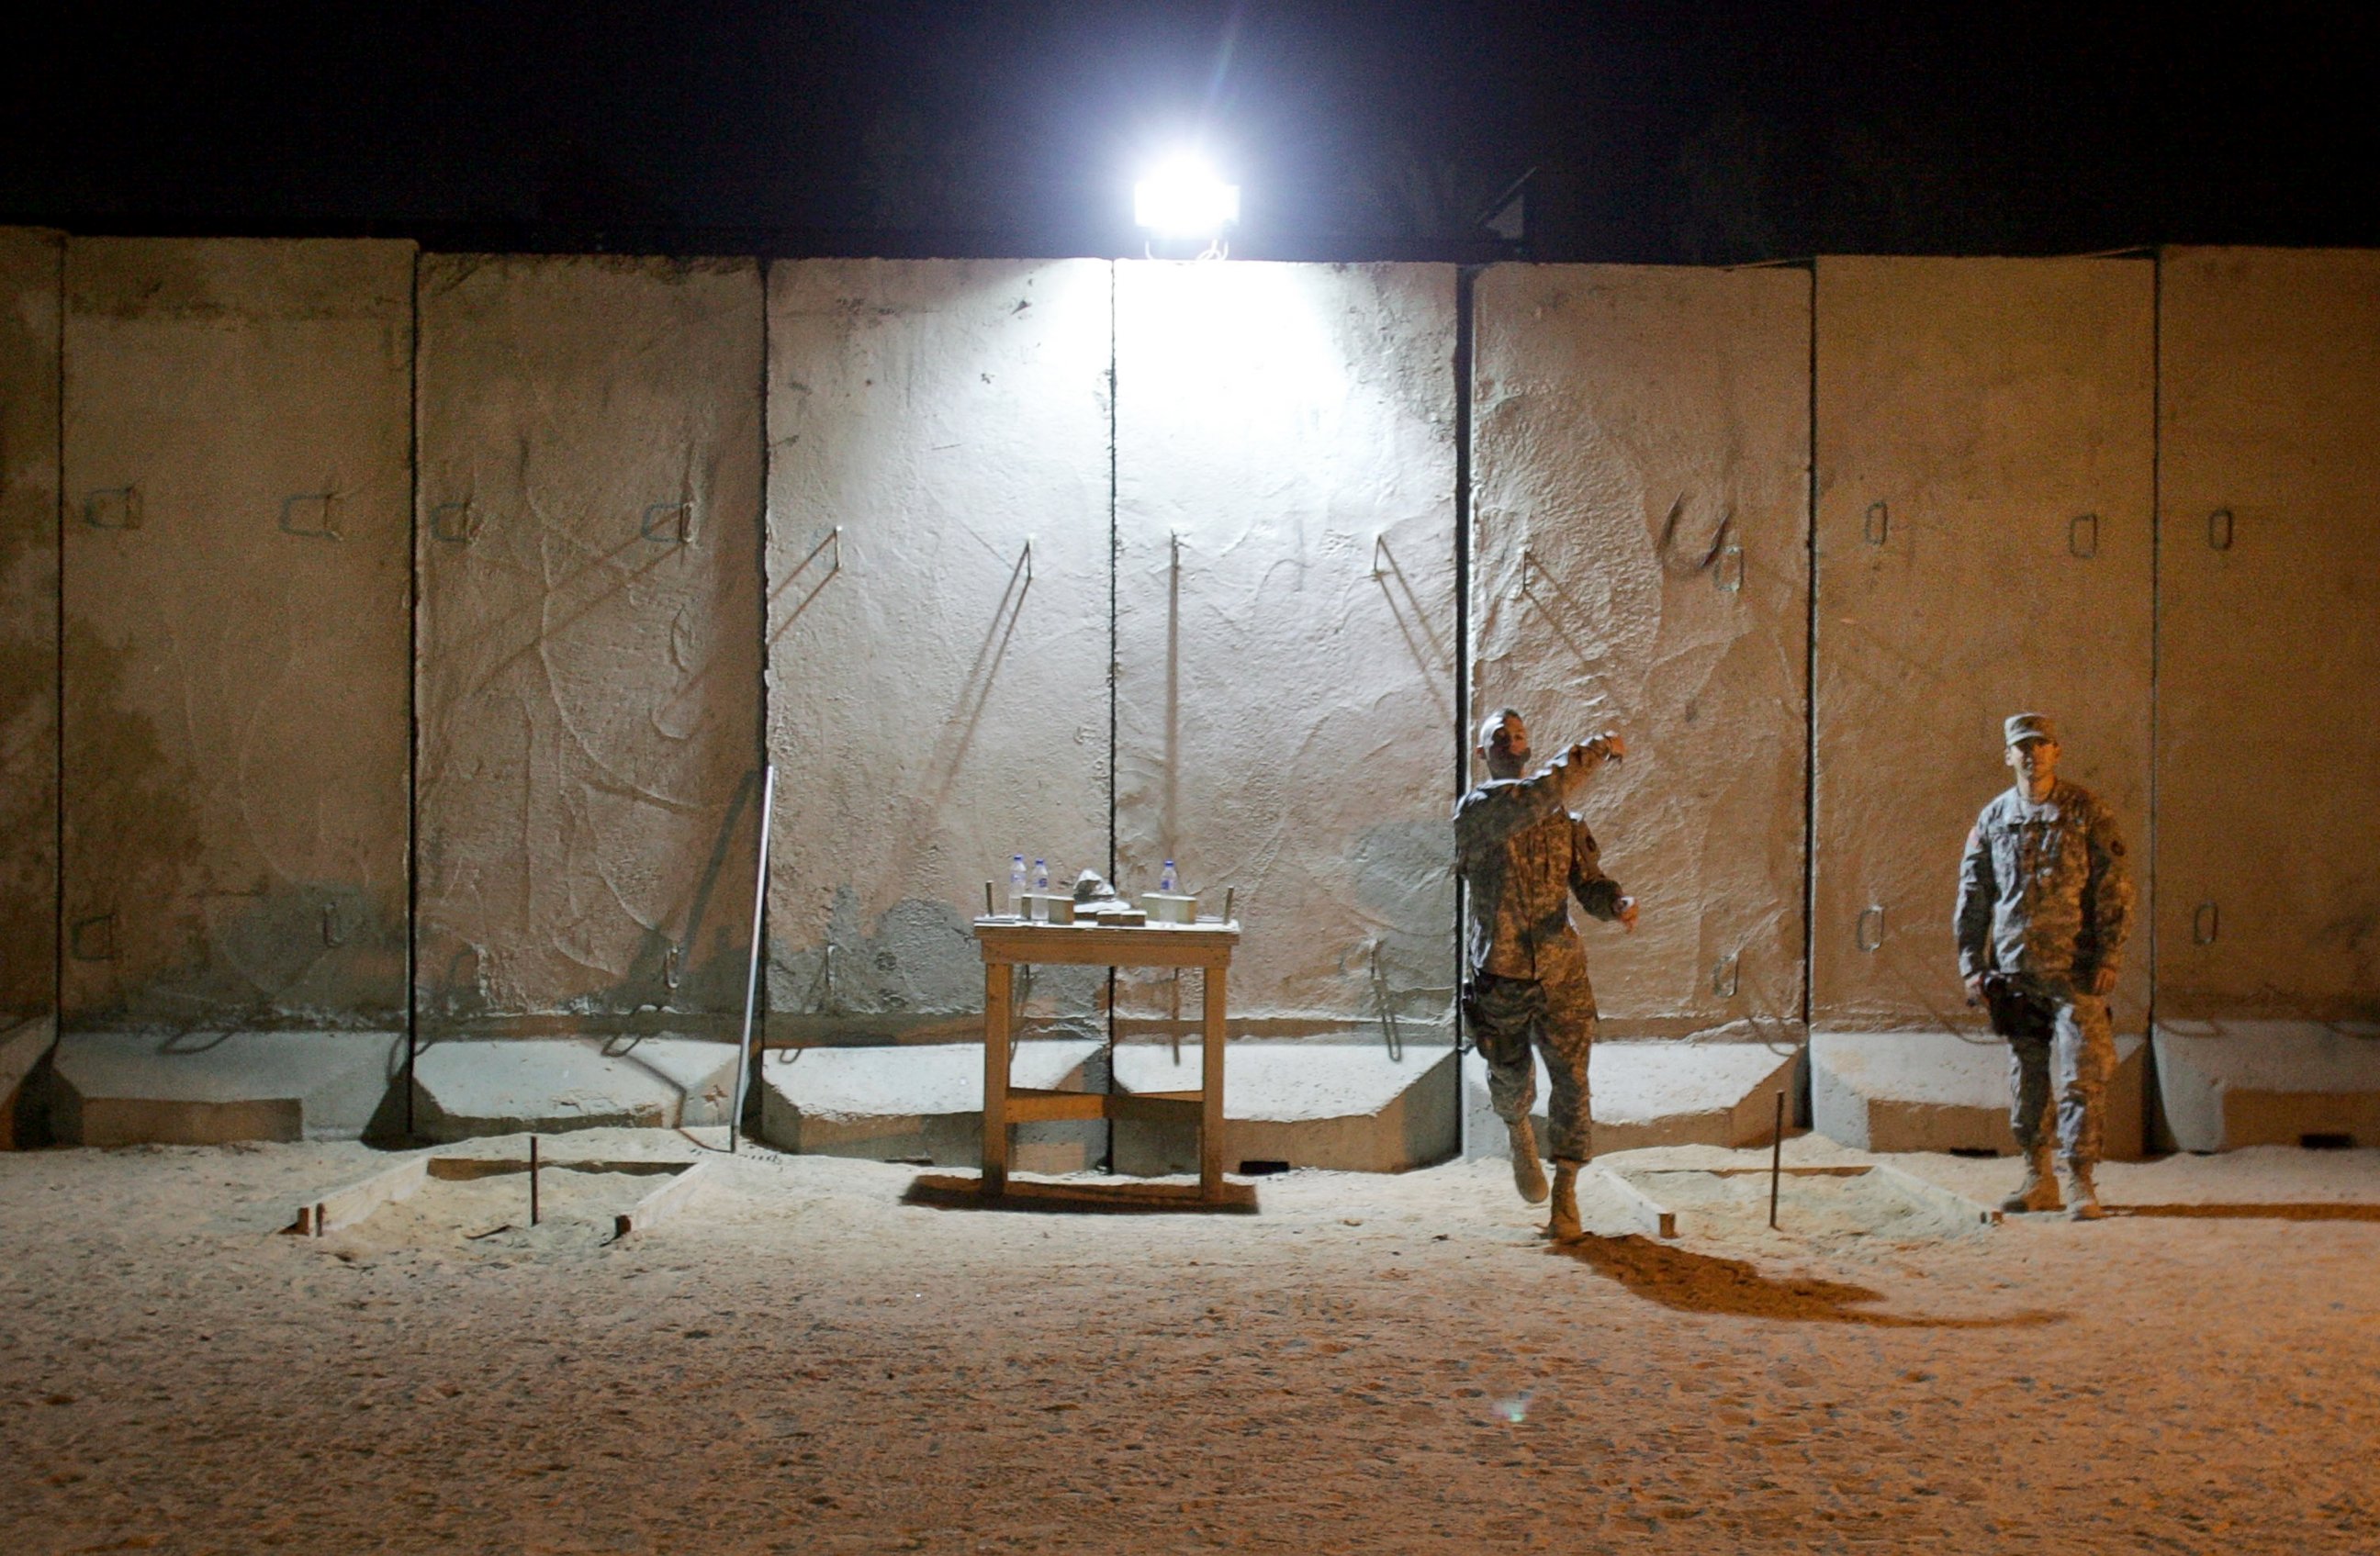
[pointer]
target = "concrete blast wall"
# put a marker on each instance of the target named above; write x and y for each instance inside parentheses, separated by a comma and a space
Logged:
(1983, 514)
(1640, 561)
(29, 282)
(588, 676)
(235, 478)
(1284, 624)
(2268, 752)
(937, 624)
(1112, 563)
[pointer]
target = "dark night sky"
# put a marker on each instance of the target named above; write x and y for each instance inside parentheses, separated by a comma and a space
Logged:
(1664, 131)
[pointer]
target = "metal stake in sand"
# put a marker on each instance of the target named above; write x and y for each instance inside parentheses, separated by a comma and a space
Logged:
(752, 977)
(532, 1180)
(1776, 1160)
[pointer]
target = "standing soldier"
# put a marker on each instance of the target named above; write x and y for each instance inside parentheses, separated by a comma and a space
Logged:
(2044, 904)
(1524, 854)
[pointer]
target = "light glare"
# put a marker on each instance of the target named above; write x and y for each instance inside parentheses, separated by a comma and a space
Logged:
(1186, 199)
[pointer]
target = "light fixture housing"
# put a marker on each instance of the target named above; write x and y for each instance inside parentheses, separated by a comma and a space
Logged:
(1184, 198)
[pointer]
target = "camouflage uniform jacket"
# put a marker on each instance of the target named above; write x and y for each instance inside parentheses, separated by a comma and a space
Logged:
(2043, 890)
(1523, 854)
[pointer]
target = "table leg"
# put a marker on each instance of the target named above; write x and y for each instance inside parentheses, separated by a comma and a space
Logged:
(1210, 1097)
(997, 979)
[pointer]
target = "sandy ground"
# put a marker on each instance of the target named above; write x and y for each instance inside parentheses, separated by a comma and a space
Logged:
(803, 1363)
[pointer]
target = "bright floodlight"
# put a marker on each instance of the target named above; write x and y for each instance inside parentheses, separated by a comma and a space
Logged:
(1186, 199)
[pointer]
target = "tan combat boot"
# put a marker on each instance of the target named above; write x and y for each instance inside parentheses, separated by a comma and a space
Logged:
(2083, 1195)
(2039, 1190)
(1528, 1173)
(1562, 1225)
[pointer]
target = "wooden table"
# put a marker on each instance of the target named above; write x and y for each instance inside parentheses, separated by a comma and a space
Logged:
(1007, 942)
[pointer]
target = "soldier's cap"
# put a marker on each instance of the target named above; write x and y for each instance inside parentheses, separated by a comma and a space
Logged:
(2030, 727)
(1497, 720)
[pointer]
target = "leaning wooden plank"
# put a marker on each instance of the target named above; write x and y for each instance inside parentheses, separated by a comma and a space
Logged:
(345, 1207)
(661, 1204)
(1641, 1208)
(1936, 1196)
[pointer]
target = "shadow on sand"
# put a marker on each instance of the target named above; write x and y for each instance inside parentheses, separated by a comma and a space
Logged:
(1126, 1196)
(1702, 1282)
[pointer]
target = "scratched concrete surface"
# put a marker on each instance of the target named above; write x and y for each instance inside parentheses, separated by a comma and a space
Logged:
(1640, 563)
(2268, 668)
(589, 686)
(1984, 489)
(1286, 628)
(30, 297)
(937, 699)
(236, 599)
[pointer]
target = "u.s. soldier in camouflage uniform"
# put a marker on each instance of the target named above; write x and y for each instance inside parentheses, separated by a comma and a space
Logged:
(2045, 906)
(1524, 855)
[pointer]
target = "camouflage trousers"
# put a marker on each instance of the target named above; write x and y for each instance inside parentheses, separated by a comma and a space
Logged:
(2061, 1057)
(1507, 1016)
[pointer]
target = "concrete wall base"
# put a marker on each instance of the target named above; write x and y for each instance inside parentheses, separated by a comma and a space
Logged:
(1942, 1091)
(1347, 1106)
(465, 1088)
(2227, 1084)
(22, 1049)
(208, 1088)
(1654, 1094)
(1342, 1105)
(924, 1102)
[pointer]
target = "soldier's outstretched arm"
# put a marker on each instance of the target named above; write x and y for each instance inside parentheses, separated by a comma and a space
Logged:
(1487, 816)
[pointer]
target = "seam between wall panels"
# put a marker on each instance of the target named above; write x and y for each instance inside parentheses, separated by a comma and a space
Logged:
(1466, 294)
(413, 694)
(2156, 628)
(58, 684)
(758, 998)
(1810, 690)
(1115, 544)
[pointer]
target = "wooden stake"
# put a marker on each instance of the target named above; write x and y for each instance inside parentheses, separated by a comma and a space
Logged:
(1776, 1160)
(532, 1180)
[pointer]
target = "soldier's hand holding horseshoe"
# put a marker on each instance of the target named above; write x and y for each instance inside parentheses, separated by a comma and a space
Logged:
(1605, 747)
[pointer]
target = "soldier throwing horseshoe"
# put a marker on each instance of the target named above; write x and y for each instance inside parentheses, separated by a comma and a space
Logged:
(1523, 855)
(2044, 905)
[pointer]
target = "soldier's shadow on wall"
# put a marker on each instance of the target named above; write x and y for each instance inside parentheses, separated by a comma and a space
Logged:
(1702, 1282)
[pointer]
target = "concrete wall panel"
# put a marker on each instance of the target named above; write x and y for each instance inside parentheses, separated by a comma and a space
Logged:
(937, 699)
(1640, 561)
(235, 473)
(1285, 635)
(1984, 511)
(30, 295)
(590, 575)
(2268, 756)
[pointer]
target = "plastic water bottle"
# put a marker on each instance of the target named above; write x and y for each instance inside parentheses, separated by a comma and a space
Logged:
(1165, 881)
(1017, 886)
(1041, 880)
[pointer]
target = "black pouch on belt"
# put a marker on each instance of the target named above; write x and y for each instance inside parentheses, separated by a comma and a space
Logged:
(2014, 1013)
